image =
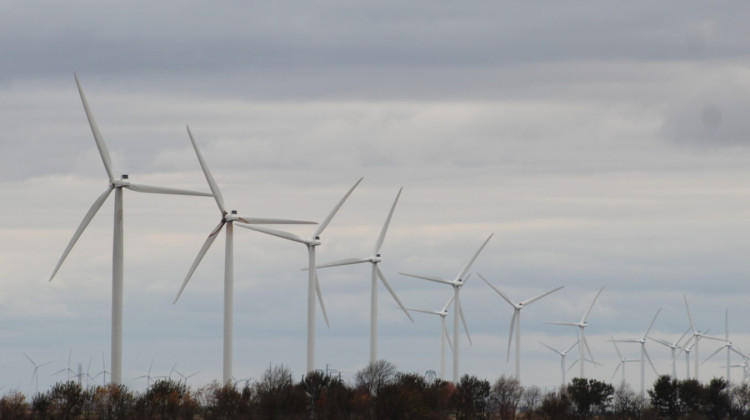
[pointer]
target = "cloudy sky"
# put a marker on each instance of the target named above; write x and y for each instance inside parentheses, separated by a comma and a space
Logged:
(604, 144)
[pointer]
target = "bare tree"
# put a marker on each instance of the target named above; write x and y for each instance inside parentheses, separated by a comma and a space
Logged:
(505, 395)
(375, 375)
(532, 397)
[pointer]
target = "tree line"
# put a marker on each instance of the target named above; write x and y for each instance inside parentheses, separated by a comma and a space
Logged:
(380, 392)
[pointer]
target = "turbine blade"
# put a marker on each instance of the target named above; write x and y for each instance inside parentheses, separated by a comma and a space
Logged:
(207, 172)
(615, 372)
(348, 261)
(447, 337)
(320, 299)
(164, 190)
(739, 353)
(571, 347)
(682, 336)
(528, 302)
(572, 364)
(85, 222)
(328, 218)
(381, 238)
(448, 303)
(30, 359)
(426, 311)
(510, 334)
(103, 151)
(468, 266)
(498, 291)
(645, 352)
(614, 343)
(555, 350)
(690, 316)
(713, 354)
(388, 286)
(571, 324)
(430, 278)
(274, 232)
(206, 245)
(651, 324)
(586, 315)
(273, 221)
(463, 321)
(662, 342)
(588, 349)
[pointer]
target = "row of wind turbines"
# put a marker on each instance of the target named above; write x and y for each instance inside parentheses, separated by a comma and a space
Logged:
(230, 217)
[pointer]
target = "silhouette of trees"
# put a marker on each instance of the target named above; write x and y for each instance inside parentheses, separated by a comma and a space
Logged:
(589, 395)
(470, 398)
(505, 396)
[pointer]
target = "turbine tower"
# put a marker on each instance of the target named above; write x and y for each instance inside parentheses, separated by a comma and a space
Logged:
(582, 343)
(622, 362)
(515, 322)
(376, 273)
(227, 221)
(644, 353)
(312, 277)
(697, 336)
(457, 283)
(727, 345)
(117, 244)
(673, 348)
(562, 358)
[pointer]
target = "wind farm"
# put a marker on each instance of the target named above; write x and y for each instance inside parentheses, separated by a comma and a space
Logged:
(611, 180)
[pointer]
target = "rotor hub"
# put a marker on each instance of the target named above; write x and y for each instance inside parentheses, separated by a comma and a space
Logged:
(232, 216)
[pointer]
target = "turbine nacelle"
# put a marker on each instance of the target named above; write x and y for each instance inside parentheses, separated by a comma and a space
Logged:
(375, 259)
(124, 181)
(232, 216)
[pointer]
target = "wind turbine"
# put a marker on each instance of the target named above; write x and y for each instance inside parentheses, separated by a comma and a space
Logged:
(374, 259)
(444, 336)
(727, 345)
(515, 322)
(622, 362)
(673, 347)
(117, 244)
(582, 343)
(644, 353)
(35, 374)
(227, 221)
(312, 278)
(562, 358)
(456, 283)
(147, 376)
(697, 336)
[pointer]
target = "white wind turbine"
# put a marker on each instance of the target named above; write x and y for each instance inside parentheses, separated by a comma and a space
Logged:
(644, 353)
(515, 322)
(117, 246)
(727, 345)
(227, 222)
(374, 259)
(312, 277)
(457, 283)
(35, 373)
(583, 345)
(697, 336)
(147, 376)
(444, 335)
(562, 358)
(673, 347)
(622, 362)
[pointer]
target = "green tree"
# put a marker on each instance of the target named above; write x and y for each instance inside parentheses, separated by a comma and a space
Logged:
(665, 397)
(556, 405)
(691, 394)
(278, 398)
(589, 395)
(470, 398)
(717, 401)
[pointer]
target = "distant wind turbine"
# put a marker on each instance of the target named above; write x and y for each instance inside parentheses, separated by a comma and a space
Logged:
(227, 222)
(515, 321)
(622, 362)
(117, 247)
(562, 358)
(673, 348)
(374, 259)
(35, 373)
(583, 345)
(697, 336)
(644, 354)
(728, 346)
(456, 283)
(312, 278)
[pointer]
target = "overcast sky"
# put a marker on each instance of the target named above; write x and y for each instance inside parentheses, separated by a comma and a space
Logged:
(604, 144)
